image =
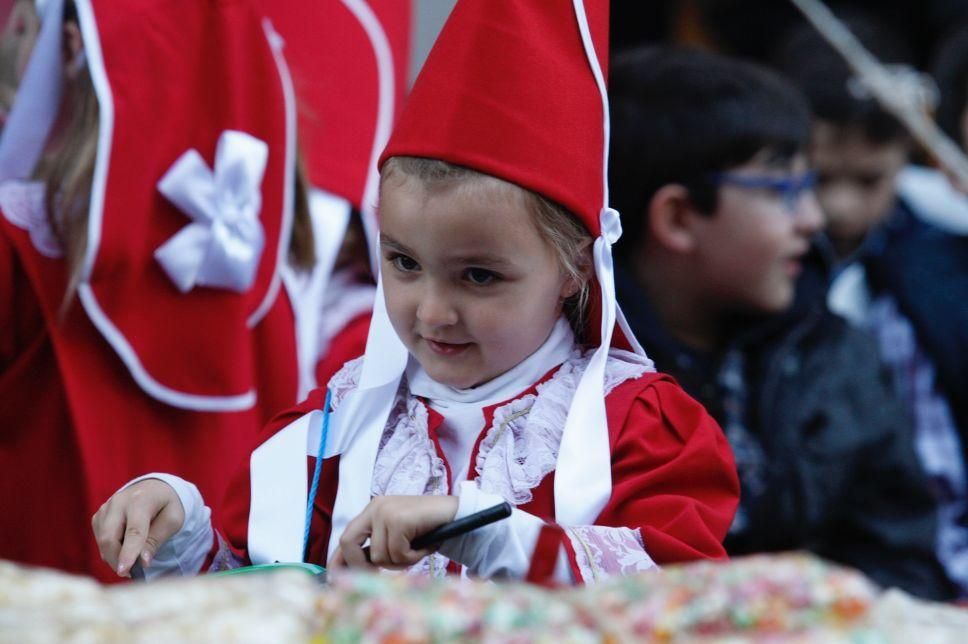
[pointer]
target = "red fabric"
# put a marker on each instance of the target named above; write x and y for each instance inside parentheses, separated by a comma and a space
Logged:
(76, 426)
(334, 71)
(545, 555)
(346, 345)
(187, 70)
(672, 468)
(507, 90)
(5, 7)
(673, 475)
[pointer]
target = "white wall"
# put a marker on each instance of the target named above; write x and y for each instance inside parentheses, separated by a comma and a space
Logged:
(428, 18)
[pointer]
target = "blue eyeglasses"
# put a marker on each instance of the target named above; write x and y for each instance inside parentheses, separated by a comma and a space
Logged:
(790, 188)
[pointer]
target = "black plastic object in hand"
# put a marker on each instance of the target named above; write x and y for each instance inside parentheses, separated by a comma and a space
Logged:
(457, 528)
(462, 526)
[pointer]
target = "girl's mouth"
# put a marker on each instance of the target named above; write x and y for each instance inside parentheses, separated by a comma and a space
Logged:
(446, 348)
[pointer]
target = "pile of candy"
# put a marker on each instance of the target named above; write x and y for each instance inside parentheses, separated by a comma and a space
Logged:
(786, 598)
(790, 597)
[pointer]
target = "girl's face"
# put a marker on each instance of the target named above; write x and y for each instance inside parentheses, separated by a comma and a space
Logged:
(471, 287)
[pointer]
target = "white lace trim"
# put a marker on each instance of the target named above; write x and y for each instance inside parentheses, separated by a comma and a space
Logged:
(602, 552)
(521, 446)
(344, 381)
(407, 462)
(23, 206)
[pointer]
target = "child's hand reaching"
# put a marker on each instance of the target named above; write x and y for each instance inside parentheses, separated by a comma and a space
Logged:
(391, 523)
(135, 522)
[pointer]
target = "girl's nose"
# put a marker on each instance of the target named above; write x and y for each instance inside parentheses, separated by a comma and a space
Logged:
(435, 309)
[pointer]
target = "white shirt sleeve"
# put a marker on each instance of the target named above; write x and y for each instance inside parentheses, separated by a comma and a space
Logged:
(185, 552)
(501, 550)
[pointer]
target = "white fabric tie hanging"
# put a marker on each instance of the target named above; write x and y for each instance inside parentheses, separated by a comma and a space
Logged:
(222, 246)
(583, 482)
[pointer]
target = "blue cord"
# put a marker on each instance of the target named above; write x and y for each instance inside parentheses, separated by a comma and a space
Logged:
(316, 472)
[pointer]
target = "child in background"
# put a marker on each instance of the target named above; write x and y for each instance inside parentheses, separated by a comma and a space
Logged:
(900, 277)
(132, 338)
(721, 282)
(489, 373)
(349, 66)
(347, 303)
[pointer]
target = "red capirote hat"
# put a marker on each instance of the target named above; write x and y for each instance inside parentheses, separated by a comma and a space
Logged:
(349, 70)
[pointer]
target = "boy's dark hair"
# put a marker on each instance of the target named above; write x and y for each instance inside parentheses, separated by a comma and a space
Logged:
(680, 115)
(950, 70)
(825, 79)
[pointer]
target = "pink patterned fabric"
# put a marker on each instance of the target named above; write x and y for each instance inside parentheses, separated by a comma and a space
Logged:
(602, 552)
(224, 558)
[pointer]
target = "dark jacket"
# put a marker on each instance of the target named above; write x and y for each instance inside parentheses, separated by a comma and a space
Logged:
(925, 269)
(840, 474)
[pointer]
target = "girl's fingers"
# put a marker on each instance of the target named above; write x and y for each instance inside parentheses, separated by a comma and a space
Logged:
(351, 543)
(162, 528)
(399, 550)
(136, 528)
(337, 560)
(135, 522)
(378, 555)
(108, 524)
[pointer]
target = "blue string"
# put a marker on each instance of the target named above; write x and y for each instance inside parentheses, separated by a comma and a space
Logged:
(316, 472)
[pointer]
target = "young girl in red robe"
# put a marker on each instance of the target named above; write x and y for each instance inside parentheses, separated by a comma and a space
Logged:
(490, 373)
(145, 214)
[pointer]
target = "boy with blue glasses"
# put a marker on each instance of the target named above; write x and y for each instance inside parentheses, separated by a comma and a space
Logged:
(903, 272)
(723, 278)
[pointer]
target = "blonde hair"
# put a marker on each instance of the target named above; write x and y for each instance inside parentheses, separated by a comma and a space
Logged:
(560, 229)
(68, 174)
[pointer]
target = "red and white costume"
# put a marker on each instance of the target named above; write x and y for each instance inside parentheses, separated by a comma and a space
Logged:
(179, 344)
(674, 483)
(612, 468)
(349, 64)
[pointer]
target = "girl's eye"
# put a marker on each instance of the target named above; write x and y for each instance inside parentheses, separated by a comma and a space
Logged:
(480, 276)
(404, 263)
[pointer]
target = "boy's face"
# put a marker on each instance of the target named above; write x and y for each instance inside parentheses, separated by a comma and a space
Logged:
(471, 287)
(748, 253)
(856, 181)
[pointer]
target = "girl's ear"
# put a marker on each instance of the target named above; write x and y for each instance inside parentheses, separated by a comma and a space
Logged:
(72, 49)
(669, 218)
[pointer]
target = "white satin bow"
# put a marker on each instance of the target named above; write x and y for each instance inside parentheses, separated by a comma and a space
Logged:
(222, 246)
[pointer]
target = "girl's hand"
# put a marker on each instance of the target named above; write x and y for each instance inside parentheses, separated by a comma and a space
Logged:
(391, 523)
(135, 522)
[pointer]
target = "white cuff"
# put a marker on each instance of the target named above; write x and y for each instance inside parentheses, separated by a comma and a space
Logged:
(501, 550)
(185, 552)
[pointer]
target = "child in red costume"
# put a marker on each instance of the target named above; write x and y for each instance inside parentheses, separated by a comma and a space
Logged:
(489, 373)
(142, 325)
(349, 68)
